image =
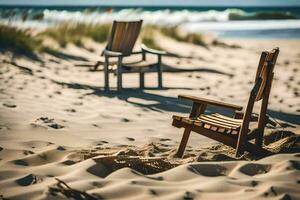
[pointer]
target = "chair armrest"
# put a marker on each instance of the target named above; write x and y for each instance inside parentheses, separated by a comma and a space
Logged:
(136, 52)
(210, 102)
(112, 53)
(152, 51)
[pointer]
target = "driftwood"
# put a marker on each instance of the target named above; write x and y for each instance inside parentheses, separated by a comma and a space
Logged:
(64, 189)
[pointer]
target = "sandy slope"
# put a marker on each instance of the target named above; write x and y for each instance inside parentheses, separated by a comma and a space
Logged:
(56, 121)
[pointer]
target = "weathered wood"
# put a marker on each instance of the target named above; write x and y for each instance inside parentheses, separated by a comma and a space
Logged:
(195, 110)
(229, 140)
(222, 119)
(119, 74)
(184, 140)
(262, 120)
(159, 71)
(207, 120)
(142, 80)
(106, 74)
(226, 139)
(224, 129)
(210, 102)
(120, 44)
(233, 120)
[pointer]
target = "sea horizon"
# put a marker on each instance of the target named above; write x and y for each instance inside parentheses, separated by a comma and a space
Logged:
(223, 21)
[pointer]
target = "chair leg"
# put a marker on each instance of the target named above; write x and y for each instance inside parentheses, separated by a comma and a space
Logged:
(119, 80)
(259, 139)
(142, 80)
(184, 140)
(240, 146)
(239, 150)
(106, 77)
(160, 84)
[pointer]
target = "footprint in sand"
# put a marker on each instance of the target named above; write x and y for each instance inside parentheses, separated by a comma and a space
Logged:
(295, 164)
(9, 105)
(47, 122)
(61, 148)
(164, 139)
(153, 192)
(96, 125)
(57, 92)
(28, 152)
(286, 62)
(102, 142)
(3, 128)
(20, 162)
(252, 169)
(77, 103)
(70, 110)
(125, 120)
(68, 162)
(130, 139)
(210, 170)
(29, 180)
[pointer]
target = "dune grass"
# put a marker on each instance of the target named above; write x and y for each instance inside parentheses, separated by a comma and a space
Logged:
(22, 40)
(194, 38)
(148, 37)
(74, 32)
(18, 39)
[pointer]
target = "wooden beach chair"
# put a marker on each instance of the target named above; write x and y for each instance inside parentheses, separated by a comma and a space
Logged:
(232, 132)
(120, 44)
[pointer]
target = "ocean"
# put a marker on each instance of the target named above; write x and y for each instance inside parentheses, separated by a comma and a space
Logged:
(224, 22)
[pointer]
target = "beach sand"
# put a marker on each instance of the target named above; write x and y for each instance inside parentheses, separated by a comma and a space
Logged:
(62, 136)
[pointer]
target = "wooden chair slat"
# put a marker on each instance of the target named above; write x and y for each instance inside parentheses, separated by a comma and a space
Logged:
(223, 119)
(118, 36)
(213, 122)
(133, 30)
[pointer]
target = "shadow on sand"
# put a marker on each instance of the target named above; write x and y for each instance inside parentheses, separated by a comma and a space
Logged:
(165, 103)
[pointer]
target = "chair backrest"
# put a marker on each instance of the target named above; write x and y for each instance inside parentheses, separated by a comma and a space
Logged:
(123, 36)
(265, 70)
(262, 87)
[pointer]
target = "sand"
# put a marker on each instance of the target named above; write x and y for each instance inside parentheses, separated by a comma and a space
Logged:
(62, 136)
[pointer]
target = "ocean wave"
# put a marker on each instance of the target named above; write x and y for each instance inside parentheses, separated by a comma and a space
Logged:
(240, 15)
(165, 16)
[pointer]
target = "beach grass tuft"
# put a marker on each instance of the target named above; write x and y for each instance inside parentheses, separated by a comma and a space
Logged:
(173, 32)
(18, 39)
(148, 37)
(74, 32)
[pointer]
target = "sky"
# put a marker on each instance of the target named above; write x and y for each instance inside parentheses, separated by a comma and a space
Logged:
(156, 2)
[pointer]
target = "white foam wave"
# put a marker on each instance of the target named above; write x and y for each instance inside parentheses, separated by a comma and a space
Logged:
(241, 25)
(151, 17)
(191, 21)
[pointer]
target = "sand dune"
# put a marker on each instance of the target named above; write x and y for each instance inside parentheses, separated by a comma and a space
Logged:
(62, 136)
